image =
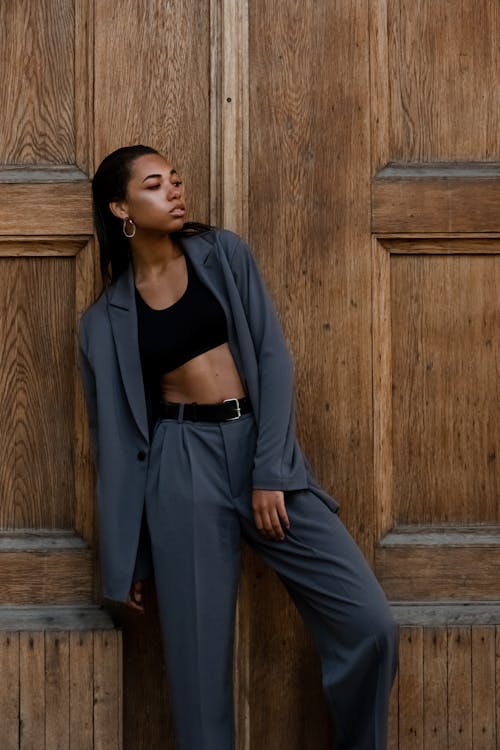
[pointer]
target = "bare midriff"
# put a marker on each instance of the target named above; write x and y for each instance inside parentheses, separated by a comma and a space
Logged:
(209, 378)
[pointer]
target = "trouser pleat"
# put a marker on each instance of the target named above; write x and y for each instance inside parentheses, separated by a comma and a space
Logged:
(198, 507)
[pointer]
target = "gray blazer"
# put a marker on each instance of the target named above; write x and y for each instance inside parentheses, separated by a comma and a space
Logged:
(115, 394)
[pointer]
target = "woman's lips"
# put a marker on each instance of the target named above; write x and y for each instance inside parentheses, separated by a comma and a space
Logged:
(178, 211)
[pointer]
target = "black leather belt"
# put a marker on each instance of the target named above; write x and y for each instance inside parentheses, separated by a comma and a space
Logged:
(227, 411)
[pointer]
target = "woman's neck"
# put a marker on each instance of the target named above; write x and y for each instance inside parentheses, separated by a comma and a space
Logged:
(152, 255)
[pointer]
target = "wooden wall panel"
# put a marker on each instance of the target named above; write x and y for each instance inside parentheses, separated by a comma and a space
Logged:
(9, 698)
(159, 91)
(445, 353)
(37, 391)
(37, 54)
(309, 225)
(308, 222)
(448, 689)
(443, 64)
(57, 690)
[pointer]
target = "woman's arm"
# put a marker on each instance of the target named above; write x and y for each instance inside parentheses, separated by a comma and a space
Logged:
(89, 388)
(275, 451)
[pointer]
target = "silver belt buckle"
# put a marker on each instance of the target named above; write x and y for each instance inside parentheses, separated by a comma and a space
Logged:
(238, 409)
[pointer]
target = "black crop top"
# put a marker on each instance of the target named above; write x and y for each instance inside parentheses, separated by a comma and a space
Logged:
(170, 337)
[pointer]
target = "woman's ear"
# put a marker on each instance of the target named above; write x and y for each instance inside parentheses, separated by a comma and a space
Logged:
(118, 209)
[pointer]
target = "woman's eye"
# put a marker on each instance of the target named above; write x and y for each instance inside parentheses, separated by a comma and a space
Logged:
(178, 183)
(153, 187)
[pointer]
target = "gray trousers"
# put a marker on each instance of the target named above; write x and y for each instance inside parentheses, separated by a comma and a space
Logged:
(198, 508)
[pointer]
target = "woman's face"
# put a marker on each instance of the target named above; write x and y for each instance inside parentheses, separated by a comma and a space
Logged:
(155, 196)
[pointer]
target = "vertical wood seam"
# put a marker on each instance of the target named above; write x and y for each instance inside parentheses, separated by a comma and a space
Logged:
(234, 103)
(229, 207)
(379, 84)
(382, 392)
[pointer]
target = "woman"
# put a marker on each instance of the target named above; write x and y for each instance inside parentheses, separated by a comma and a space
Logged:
(188, 383)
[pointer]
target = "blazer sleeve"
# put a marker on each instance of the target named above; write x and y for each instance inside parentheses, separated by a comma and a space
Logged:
(89, 388)
(276, 448)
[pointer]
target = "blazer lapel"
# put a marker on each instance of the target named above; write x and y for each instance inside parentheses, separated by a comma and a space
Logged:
(201, 252)
(123, 317)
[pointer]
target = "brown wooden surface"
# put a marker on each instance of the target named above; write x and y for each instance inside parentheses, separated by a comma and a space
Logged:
(32, 690)
(37, 44)
(61, 689)
(439, 572)
(37, 359)
(459, 688)
(444, 327)
(483, 688)
(9, 695)
(435, 205)
(81, 690)
(411, 696)
(107, 690)
(46, 576)
(162, 97)
(442, 66)
(57, 690)
(435, 679)
(447, 687)
(66, 208)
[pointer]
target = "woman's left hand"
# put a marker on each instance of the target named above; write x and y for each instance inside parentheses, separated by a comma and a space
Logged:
(269, 513)
(134, 600)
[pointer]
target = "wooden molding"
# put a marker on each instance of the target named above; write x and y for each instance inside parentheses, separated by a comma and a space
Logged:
(451, 198)
(55, 208)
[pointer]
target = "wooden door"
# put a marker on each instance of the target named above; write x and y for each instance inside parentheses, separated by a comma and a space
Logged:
(436, 269)
(355, 145)
(60, 656)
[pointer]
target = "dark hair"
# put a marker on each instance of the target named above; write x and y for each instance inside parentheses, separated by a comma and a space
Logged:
(110, 184)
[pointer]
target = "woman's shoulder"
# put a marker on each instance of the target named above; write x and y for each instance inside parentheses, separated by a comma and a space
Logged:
(94, 314)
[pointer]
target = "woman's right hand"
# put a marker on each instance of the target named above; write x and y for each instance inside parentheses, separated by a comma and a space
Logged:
(134, 600)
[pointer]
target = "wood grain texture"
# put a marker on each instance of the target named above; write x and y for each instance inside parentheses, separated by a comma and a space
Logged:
(84, 85)
(81, 690)
(411, 689)
(38, 355)
(37, 57)
(9, 692)
(435, 205)
(163, 98)
(443, 63)
(483, 688)
(57, 690)
(435, 677)
(309, 227)
(459, 688)
(78, 617)
(439, 572)
(379, 85)
(32, 690)
(83, 519)
(46, 576)
(57, 208)
(234, 115)
(107, 690)
(445, 351)
(382, 389)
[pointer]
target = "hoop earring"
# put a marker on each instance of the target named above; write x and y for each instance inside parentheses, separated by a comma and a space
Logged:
(125, 222)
